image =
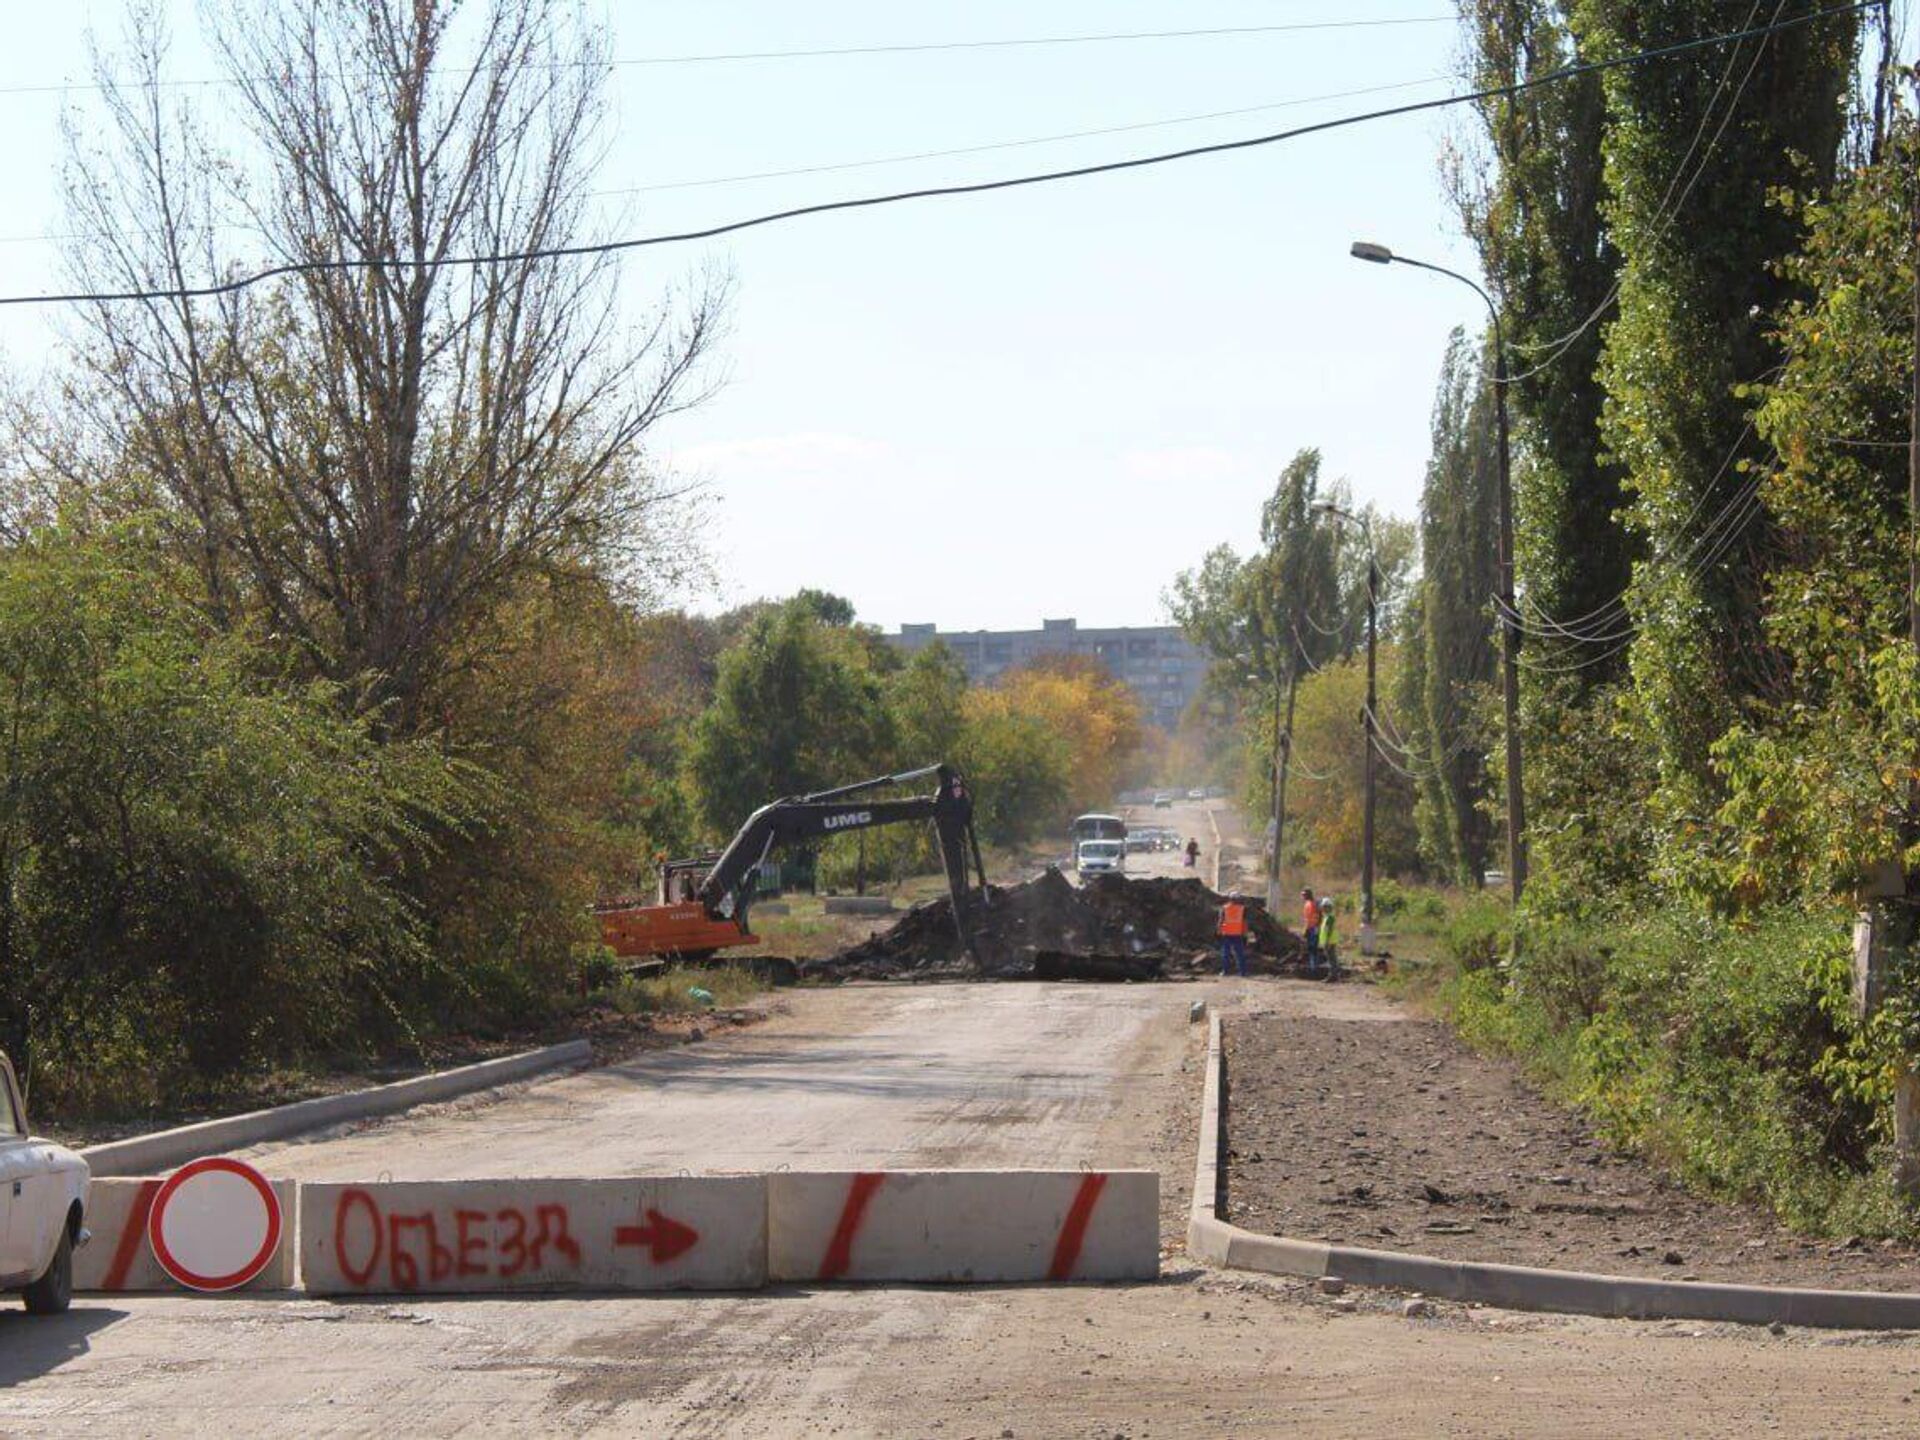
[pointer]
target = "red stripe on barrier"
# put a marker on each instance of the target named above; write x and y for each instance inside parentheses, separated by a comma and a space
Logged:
(1073, 1231)
(128, 1246)
(839, 1256)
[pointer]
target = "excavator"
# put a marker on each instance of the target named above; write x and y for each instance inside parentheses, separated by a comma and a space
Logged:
(703, 904)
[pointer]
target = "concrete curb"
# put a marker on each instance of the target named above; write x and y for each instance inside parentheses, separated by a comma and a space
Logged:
(1513, 1287)
(165, 1149)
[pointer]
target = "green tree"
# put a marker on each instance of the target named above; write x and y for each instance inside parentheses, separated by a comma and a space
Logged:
(927, 697)
(198, 872)
(1530, 194)
(1450, 660)
(1694, 146)
(1020, 768)
(796, 708)
(1330, 770)
(1820, 783)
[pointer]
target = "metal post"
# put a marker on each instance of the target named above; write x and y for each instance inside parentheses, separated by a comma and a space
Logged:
(1510, 627)
(1276, 795)
(1280, 793)
(1366, 874)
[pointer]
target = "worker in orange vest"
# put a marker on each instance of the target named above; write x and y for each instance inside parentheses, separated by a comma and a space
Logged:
(1310, 928)
(1233, 934)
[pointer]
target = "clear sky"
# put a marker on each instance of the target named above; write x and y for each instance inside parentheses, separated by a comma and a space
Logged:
(982, 411)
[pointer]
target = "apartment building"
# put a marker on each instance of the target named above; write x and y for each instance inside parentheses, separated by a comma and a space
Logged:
(1164, 669)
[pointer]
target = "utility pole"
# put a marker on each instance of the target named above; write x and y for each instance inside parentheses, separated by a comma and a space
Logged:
(1372, 738)
(1276, 802)
(1277, 778)
(1509, 626)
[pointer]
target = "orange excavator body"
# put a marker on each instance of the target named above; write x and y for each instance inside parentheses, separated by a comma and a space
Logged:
(681, 928)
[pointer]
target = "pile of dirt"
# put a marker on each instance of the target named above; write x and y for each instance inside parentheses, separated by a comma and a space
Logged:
(1110, 928)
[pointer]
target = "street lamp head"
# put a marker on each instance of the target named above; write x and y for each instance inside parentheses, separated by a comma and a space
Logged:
(1367, 250)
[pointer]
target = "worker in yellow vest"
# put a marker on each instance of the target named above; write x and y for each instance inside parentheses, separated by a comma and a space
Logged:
(1233, 934)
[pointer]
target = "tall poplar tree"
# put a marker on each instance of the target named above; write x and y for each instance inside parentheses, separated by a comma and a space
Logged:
(1529, 192)
(1696, 144)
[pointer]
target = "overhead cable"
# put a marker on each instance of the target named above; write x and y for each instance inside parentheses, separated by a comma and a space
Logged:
(608, 247)
(1663, 216)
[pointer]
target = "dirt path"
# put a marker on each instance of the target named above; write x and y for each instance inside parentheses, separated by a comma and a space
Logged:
(1383, 1130)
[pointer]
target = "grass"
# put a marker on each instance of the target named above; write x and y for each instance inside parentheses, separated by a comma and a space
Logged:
(807, 932)
(672, 991)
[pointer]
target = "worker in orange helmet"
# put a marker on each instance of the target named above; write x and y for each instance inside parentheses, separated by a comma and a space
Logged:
(1233, 934)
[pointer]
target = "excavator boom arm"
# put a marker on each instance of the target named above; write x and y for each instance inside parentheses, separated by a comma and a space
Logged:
(727, 888)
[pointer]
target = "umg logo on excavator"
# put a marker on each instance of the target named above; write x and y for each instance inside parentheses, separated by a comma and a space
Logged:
(852, 817)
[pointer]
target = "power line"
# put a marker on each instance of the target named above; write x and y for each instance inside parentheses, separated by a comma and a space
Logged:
(1605, 613)
(1748, 506)
(1292, 27)
(1665, 217)
(609, 247)
(1025, 143)
(845, 51)
(910, 157)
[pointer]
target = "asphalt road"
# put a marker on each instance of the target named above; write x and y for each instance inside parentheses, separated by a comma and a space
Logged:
(903, 1075)
(868, 1076)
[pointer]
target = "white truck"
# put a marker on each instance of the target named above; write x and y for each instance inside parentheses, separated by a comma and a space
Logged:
(43, 1207)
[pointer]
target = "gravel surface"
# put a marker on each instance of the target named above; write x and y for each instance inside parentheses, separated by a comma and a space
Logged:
(1387, 1132)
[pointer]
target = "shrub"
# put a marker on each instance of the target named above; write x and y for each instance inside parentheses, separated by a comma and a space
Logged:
(1478, 934)
(198, 870)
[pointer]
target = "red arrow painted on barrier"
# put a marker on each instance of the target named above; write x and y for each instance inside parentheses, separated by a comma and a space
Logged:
(663, 1237)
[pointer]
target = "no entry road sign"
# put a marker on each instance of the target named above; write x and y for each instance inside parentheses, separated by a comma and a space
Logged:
(215, 1224)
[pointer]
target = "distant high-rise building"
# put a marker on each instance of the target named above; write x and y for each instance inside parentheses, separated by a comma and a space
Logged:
(1164, 669)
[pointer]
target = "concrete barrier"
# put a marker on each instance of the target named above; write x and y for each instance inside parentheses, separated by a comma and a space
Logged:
(166, 1149)
(475, 1236)
(858, 905)
(992, 1225)
(118, 1258)
(1517, 1287)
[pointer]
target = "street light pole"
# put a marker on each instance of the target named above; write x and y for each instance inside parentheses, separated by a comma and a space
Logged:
(1276, 803)
(1369, 717)
(1509, 626)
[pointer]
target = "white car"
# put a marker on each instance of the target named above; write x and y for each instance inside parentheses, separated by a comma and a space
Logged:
(43, 1207)
(1101, 857)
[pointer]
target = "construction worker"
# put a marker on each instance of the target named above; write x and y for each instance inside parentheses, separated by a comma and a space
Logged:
(1328, 937)
(1233, 934)
(1310, 930)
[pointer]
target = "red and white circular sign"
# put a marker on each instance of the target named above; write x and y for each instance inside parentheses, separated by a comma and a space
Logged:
(215, 1224)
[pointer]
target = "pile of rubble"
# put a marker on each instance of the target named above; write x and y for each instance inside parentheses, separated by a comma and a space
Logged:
(1111, 928)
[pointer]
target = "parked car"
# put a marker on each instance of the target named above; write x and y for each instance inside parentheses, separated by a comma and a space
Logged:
(1163, 800)
(1196, 794)
(43, 1207)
